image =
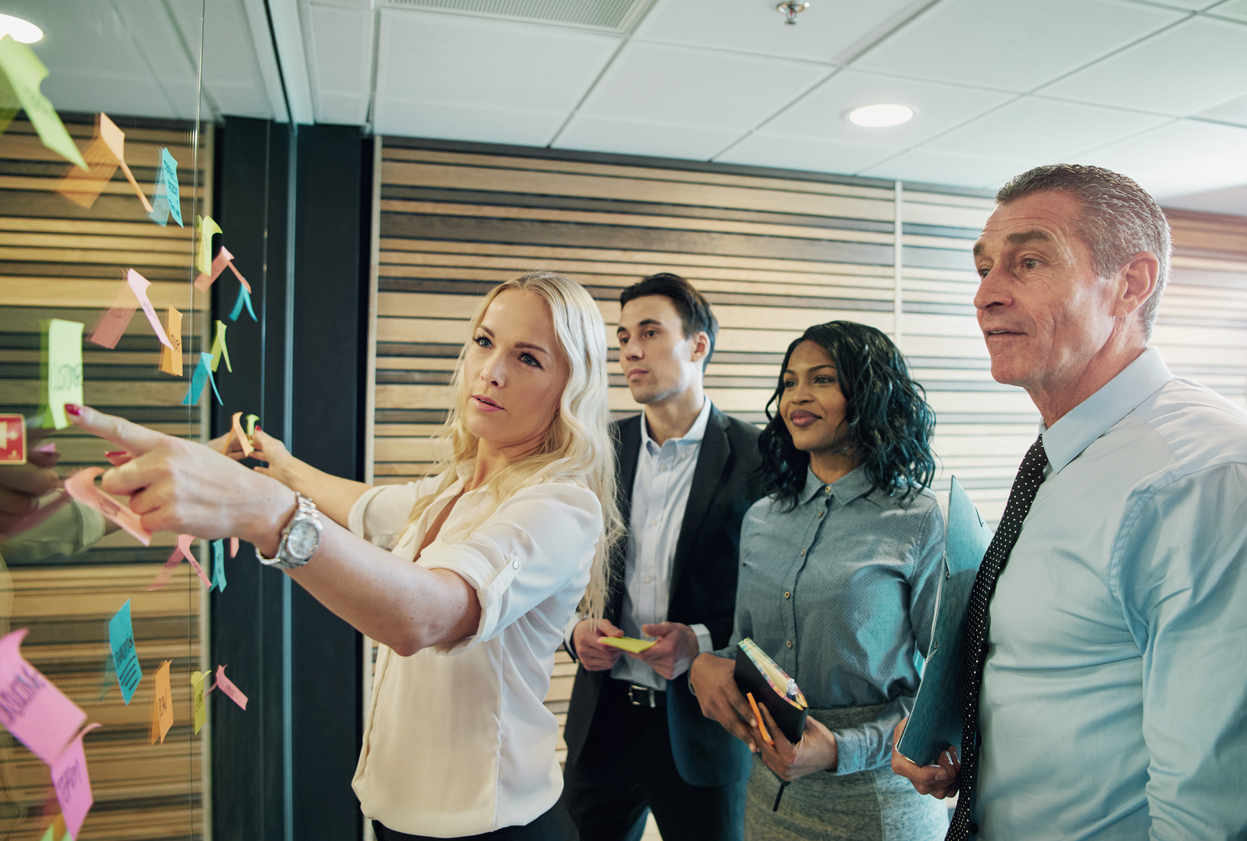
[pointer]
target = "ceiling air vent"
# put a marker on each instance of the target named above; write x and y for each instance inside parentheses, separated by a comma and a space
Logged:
(607, 15)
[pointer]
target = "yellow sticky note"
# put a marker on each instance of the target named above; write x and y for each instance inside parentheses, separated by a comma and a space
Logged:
(162, 705)
(21, 73)
(201, 710)
(171, 357)
(632, 644)
(115, 139)
(62, 371)
(251, 419)
(207, 227)
(220, 349)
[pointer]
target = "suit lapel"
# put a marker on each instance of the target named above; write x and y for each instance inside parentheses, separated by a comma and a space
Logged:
(711, 461)
(627, 450)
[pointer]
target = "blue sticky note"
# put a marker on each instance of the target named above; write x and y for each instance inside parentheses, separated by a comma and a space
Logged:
(218, 565)
(244, 297)
(203, 373)
(166, 200)
(125, 658)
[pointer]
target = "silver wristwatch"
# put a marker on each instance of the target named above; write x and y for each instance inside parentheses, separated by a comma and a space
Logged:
(299, 539)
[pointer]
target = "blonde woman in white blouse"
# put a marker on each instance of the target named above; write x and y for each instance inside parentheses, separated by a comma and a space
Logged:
(506, 542)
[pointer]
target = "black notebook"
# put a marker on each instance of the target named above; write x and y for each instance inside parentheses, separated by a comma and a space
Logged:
(758, 674)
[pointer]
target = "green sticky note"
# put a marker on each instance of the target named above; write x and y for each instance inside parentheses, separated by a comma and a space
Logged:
(203, 260)
(21, 72)
(219, 348)
(62, 369)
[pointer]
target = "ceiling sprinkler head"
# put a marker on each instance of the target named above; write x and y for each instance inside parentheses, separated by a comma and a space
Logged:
(791, 9)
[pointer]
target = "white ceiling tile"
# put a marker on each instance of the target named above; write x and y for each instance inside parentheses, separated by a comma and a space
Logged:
(339, 59)
(1231, 200)
(1195, 65)
(948, 168)
(1015, 46)
(1234, 111)
(1181, 157)
(686, 85)
(84, 38)
(1044, 129)
(486, 63)
(829, 31)
(938, 107)
(810, 153)
(455, 121)
(342, 109)
(240, 99)
(1235, 9)
(642, 137)
(1188, 5)
(114, 94)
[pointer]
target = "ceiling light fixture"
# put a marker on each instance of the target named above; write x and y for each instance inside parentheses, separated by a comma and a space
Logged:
(790, 10)
(880, 116)
(20, 30)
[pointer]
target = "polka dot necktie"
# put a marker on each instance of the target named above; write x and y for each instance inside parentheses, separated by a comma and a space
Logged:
(1025, 486)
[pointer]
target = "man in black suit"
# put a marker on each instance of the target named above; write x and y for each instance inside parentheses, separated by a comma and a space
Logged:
(636, 738)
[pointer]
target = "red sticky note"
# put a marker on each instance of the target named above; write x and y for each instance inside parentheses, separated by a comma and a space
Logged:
(227, 686)
(184, 546)
(72, 783)
(139, 284)
(13, 438)
(113, 321)
(81, 486)
(38, 714)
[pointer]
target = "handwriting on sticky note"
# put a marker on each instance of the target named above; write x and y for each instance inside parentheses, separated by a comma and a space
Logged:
(202, 375)
(184, 546)
(62, 369)
(218, 565)
(81, 486)
(38, 714)
(203, 259)
(139, 284)
(21, 72)
(125, 657)
(166, 199)
(219, 348)
(73, 784)
(171, 356)
(113, 321)
(201, 709)
(162, 705)
(244, 299)
(227, 686)
(244, 440)
(632, 644)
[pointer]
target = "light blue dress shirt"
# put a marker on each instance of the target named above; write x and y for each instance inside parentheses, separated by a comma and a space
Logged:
(1114, 699)
(841, 592)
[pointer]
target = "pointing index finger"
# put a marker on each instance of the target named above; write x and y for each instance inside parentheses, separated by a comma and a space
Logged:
(134, 438)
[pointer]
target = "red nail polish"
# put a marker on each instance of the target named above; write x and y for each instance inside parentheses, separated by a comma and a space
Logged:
(73, 409)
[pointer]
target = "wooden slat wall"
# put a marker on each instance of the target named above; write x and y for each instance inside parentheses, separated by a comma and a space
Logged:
(60, 260)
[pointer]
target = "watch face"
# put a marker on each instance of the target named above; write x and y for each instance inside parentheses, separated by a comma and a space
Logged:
(303, 539)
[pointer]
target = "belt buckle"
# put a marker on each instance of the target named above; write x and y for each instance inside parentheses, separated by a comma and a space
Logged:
(645, 693)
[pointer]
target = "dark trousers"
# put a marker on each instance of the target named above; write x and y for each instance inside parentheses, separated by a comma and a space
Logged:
(626, 769)
(554, 825)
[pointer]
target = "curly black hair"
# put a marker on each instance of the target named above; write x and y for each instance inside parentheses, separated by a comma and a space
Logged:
(888, 419)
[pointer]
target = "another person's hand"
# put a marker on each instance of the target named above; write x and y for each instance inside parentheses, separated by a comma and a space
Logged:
(711, 679)
(939, 780)
(21, 485)
(278, 462)
(673, 653)
(592, 654)
(817, 750)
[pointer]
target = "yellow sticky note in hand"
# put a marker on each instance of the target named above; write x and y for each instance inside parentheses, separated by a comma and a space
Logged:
(207, 227)
(201, 710)
(632, 644)
(62, 369)
(21, 72)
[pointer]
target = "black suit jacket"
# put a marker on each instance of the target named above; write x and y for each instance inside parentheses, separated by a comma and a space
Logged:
(703, 591)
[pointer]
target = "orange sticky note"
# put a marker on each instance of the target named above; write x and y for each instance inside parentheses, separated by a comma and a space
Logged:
(162, 705)
(171, 357)
(83, 187)
(139, 284)
(243, 441)
(112, 323)
(81, 486)
(115, 139)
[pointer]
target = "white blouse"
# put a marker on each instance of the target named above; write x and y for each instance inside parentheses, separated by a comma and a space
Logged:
(458, 740)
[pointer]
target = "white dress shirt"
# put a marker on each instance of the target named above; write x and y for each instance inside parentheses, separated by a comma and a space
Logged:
(457, 739)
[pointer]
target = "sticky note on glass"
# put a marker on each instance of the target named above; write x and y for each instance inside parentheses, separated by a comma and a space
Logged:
(138, 285)
(207, 227)
(227, 686)
(125, 657)
(244, 440)
(38, 714)
(73, 784)
(202, 375)
(115, 139)
(184, 546)
(218, 565)
(112, 323)
(165, 198)
(83, 187)
(21, 73)
(62, 369)
(171, 356)
(81, 486)
(162, 705)
(201, 709)
(219, 349)
(632, 644)
(244, 299)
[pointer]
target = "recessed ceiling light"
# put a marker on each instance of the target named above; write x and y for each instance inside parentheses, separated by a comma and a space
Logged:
(20, 30)
(879, 116)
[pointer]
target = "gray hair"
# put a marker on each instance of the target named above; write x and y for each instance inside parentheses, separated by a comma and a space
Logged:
(1119, 219)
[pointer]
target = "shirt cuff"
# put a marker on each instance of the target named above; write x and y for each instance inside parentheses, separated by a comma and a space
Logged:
(851, 752)
(704, 643)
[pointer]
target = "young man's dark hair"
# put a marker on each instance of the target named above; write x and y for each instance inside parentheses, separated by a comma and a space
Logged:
(694, 309)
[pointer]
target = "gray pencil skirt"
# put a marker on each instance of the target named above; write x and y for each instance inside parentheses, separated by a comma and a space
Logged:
(867, 806)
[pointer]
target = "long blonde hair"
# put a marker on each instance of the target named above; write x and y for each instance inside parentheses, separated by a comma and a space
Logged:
(577, 443)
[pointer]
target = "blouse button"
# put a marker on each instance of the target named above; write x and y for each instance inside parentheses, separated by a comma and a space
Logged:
(802, 551)
(826, 489)
(821, 513)
(788, 594)
(790, 643)
(515, 564)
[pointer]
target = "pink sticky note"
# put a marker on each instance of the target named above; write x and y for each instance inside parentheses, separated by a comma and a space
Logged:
(184, 546)
(81, 486)
(113, 321)
(227, 686)
(237, 273)
(31, 707)
(166, 572)
(139, 284)
(72, 784)
(203, 281)
(233, 547)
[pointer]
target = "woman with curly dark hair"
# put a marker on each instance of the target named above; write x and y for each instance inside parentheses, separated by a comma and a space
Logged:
(840, 566)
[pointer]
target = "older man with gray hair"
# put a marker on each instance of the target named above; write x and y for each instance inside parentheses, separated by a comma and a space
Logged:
(1104, 684)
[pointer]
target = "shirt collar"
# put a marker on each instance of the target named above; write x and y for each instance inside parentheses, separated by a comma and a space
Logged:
(846, 489)
(1091, 418)
(694, 435)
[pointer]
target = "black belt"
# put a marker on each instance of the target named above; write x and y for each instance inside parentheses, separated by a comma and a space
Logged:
(644, 696)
